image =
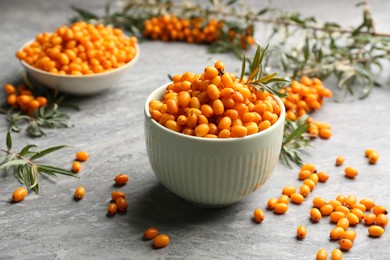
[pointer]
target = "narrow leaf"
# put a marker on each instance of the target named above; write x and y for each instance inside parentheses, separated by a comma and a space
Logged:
(13, 163)
(9, 140)
(47, 151)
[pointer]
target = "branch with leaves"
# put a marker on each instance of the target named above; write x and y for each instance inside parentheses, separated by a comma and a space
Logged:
(23, 164)
(46, 117)
(354, 56)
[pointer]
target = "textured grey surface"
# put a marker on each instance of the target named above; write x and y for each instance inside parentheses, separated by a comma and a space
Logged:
(110, 127)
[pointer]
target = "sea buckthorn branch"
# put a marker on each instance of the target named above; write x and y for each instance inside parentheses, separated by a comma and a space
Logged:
(353, 55)
(36, 107)
(23, 165)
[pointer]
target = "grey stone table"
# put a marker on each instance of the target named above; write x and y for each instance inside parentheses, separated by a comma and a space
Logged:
(109, 126)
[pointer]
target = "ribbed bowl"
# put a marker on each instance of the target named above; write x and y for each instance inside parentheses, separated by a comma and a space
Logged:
(211, 172)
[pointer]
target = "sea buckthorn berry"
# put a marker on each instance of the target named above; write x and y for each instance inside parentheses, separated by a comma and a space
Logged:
(350, 201)
(280, 208)
(42, 101)
(76, 167)
(304, 190)
(369, 203)
(258, 214)
(9, 89)
(122, 204)
(369, 219)
(351, 172)
(379, 210)
(375, 231)
(271, 203)
(82, 156)
(315, 214)
(343, 223)
(288, 190)
(112, 208)
(19, 194)
(12, 100)
(373, 157)
(335, 203)
(79, 193)
(301, 232)
(117, 194)
(368, 151)
(322, 254)
(326, 210)
(337, 254)
(323, 176)
(360, 206)
(382, 220)
(297, 198)
(284, 199)
(121, 179)
(309, 166)
(239, 131)
(161, 241)
(303, 175)
(346, 244)
(358, 213)
(336, 233)
(150, 233)
(343, 209)
(202, 130)
(340, 160)
(325, 133)
(309, 183)
(353, 219)
(349, 234)
(335, 216)
(319, 202)
(314, 178)
(341, 198)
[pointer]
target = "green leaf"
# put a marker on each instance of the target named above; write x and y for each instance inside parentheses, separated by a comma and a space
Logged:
(34, 175)
(263, 11)
(47, 151)
(243, 66)
(9, 140)
(86, 15)
(52, 169)
(13, 163)
(231, 2)
(26, 149)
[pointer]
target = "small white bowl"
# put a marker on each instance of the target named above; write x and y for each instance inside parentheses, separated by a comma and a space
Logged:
(211, 172)
(79, 85)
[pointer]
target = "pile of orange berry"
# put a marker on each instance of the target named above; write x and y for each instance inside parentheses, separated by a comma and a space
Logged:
(304, 97)
(80, 157)
(118, 198)
(310, 178)
(23, 99)
(214, 104)
(79, 49)
(345, 212)
(195, 30)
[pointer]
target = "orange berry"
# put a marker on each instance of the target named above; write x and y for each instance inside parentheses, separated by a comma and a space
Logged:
(112, 208)
(79, 193)
(340, 160)
(9, 89)
(76, 167)
(315, 214)
(382, 220)
(117, 194)
(33, 104)
(323, 176)
(379, 210)
(19, 194)
(369, 219)
(322, 254)
(319, 202)
(122, 204)
(297, 198)
(346, 244)
(309, 166)
(280, 208)
(258, 214)
(121, 179)
(42, 101)
(373, 157)
(301, 232)
(351, 172)
(271, 203)
(349, 234)
(150, 233)
(82, 156)
(161, 241)
(336, 233)
(288, 190)
(375, 231)
(369, 203)
(12, 100)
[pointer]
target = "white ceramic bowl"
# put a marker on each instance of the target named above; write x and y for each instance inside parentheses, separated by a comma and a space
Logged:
(211, 172)
(79, 85)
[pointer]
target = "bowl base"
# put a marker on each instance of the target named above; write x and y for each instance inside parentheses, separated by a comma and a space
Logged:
(210, 206)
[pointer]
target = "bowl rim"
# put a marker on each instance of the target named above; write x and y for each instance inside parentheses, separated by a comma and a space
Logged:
(181, 135)
(95, 75)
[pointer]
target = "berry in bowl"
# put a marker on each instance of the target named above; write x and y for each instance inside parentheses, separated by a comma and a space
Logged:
(213, 139)
(82, 59)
